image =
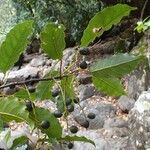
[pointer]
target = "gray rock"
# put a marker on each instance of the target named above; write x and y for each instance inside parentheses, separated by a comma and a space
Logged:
(125, 103)
(38, 61)
(1, 77)
(68, 56)
(116, 132)
(84, 78)
(86, 91)
(139, 122)
(101, 142)
(22, 74)
(9, 91)
(115, 122)
(102, 111)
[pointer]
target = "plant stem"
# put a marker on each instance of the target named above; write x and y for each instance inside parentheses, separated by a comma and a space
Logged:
(32, 80)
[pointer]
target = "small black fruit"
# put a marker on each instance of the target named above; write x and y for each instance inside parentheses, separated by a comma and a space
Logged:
(70, 145)
(68, 101)
(55, 92)
(70, 108)
(91, 115)
(85, 124)
(73, 129)
(84, 51)
(57, 114)
(45, 124)
(29, 106)
(76, 100)
(83, 65)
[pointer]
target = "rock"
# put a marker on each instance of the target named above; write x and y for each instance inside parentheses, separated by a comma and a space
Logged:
(116, 132)
(86, 91)
(84, 78)
(125, 103)
(101, 142)
(14, 135)
(22, 74)
(68, 56)
(1, 77)
(115, 122)
(9, 91)
(102, 111)
(38, 61)
(139, 122)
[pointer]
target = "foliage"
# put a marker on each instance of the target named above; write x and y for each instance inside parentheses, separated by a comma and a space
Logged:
(144, 25)
(106, 73)
(14, 44)
(103, 21)
(73, 14)
(53, 42)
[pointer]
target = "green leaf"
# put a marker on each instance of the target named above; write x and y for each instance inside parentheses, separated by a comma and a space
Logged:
(12, 109)
(103, 21)
(43, 90)
(14, 44)
(53, 40)
(77, 138)
(22, 94)
(19, 142)
(115, 66)
(55, 130)
(110, 86)
(60, 104)
(67, 86)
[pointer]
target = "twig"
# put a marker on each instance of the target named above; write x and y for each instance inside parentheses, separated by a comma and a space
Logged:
(32, 80)
(143, 9)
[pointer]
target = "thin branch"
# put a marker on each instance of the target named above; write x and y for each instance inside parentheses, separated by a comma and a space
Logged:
(32, 80)
(143, 9)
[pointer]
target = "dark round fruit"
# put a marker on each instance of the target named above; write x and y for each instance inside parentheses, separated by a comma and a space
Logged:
(91, 115)
(76, 100)
(83, 65)
(68, 101)
(73, 129)
(45, 124)
(29, 106)
(70, 108)
(57, 114)
(55, 92)
(84, 51)
(85, 124)
(70, 145)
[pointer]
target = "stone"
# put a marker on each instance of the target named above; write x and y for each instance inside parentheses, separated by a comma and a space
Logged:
(100, 142)
(84, 78)
(102, 111)
(38, 61)
(86, 91)
(22, 74)
(139, 122)
(116, 132)
(125, 103)
(14, 135)
(115, 122)
(1, 78)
